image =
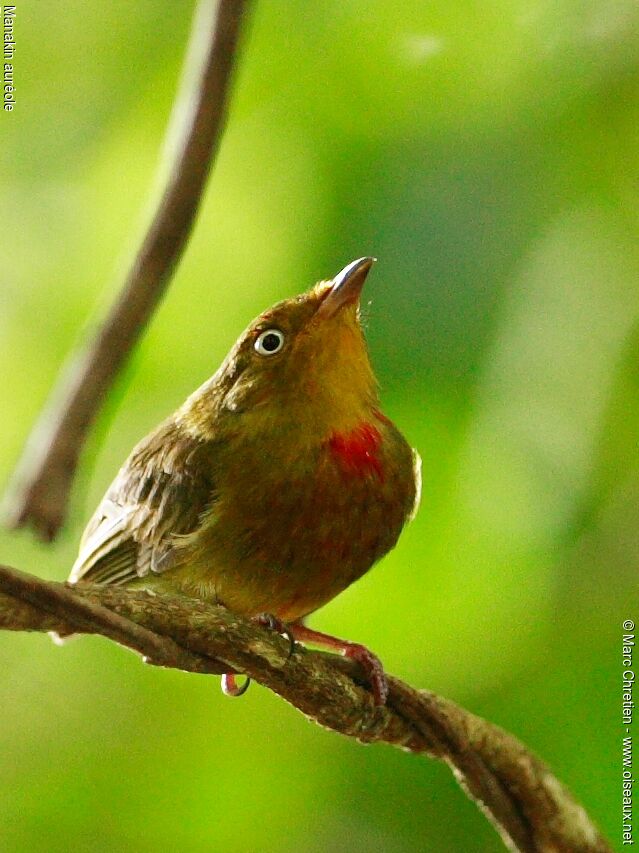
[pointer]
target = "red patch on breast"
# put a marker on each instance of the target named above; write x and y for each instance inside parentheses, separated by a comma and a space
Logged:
(357, 450)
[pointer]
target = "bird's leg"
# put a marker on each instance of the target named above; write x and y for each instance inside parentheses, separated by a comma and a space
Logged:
(369, 662)
(230, 686)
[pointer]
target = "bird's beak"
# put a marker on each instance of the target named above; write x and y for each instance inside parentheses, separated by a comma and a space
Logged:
(346, 287)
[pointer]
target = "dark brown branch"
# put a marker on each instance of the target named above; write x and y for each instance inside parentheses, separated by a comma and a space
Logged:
(529, 807)
(42, 481)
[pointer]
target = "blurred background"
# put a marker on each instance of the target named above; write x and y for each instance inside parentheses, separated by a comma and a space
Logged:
(487, 154)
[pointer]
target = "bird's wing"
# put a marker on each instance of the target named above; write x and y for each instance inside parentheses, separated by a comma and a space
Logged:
(160, 492)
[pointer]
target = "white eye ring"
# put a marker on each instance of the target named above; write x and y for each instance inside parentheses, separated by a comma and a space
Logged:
(269, 342)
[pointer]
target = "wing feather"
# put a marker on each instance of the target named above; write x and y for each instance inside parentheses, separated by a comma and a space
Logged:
(160, 492)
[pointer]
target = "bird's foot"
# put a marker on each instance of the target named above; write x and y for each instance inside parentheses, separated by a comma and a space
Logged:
(267, 620)
(369, 662)
(230, 687)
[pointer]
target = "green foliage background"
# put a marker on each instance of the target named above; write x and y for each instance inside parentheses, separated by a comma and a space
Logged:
(487, 154)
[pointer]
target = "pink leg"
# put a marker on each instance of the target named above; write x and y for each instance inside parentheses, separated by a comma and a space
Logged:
(369, 662)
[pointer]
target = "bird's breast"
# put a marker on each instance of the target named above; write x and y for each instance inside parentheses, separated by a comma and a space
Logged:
(357, 451)
(293, 527)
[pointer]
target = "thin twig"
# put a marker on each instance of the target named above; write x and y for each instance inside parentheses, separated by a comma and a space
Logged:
(41, 484)
(529, 807)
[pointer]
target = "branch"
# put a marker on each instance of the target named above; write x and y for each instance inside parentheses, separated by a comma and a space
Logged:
(41, 484)
(529, 807)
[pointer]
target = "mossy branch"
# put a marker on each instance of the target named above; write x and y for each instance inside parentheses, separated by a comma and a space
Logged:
(529, 807)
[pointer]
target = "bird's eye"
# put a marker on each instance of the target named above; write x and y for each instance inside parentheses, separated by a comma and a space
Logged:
(269, 342)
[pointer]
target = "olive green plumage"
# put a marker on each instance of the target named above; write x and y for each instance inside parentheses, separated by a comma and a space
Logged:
(277, 483)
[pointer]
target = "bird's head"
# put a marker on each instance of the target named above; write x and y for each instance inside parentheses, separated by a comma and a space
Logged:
(302, 363)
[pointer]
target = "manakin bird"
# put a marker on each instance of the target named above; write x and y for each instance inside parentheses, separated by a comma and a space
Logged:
(275, 485)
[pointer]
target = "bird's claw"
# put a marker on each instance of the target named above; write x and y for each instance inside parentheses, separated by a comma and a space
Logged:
(369, 662)
(267, 620)
(373, 668)
(230, 687)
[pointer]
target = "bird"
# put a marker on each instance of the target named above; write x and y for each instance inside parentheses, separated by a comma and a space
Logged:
(274, 486)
